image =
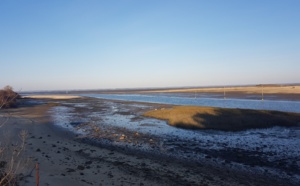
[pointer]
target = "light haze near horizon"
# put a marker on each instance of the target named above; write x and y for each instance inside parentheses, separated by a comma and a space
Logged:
(75, 44)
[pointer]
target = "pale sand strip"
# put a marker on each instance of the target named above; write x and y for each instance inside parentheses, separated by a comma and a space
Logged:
(52, 96)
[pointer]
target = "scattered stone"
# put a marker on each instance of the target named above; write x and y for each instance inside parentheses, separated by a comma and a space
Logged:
(70, 170)
(208, 157)
(2, 164)
(88, 162)
(110, 175)
(80, 167)
(122, 137)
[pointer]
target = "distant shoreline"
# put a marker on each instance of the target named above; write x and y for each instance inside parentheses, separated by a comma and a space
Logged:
(272, 89)
(149, 89)
(280, 92)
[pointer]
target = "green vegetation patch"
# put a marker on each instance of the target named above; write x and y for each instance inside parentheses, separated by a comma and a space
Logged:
(194, 117)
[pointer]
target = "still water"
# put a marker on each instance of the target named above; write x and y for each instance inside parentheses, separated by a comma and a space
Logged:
(288, 106)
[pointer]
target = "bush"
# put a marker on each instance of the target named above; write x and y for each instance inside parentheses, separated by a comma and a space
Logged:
(13, 163)
(8, 97)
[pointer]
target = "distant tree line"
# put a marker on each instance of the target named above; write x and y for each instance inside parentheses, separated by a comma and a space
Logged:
(8, 98)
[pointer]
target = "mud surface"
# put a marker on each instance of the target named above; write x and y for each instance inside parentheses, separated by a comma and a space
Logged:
(252, 157)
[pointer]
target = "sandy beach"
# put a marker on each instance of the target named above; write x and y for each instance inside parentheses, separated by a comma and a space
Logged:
(51, 96)
(117, 156)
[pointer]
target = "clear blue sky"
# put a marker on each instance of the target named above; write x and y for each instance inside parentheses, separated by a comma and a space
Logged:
(94, 44)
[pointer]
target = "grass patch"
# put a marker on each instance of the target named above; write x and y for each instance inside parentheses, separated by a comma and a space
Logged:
(194, 117)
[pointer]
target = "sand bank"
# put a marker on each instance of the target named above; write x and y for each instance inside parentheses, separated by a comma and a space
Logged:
(242, 89)
(197, 117)
(52, 96)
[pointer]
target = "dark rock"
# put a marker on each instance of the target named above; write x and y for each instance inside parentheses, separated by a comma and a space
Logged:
(2, 164)
(70, 170)
(80, 167)
(88, 162)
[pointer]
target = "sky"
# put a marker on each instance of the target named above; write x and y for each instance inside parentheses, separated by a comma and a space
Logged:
(107, 44)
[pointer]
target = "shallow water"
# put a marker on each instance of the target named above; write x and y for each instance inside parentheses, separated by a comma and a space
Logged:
(288, 106)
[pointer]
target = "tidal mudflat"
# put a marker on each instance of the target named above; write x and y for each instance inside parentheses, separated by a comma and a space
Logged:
(89, 141)
(267, 153)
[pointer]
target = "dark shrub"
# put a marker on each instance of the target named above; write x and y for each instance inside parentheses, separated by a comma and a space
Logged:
(8, 97)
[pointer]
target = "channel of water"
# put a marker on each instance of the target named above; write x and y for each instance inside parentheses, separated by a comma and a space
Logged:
(277, 105)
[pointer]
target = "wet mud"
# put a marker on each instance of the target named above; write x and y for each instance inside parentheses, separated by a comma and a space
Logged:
(268, 155)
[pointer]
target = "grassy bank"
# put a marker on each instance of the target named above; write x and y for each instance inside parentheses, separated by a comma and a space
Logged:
(193, 117)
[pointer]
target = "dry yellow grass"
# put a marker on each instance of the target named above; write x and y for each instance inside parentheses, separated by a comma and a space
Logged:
(194, 117)
(242, 89)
